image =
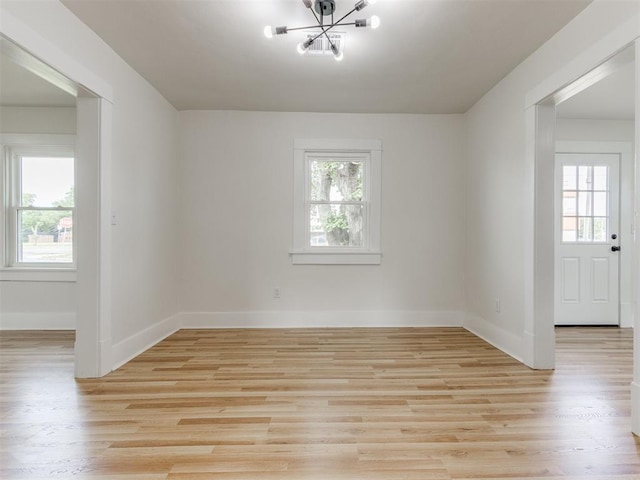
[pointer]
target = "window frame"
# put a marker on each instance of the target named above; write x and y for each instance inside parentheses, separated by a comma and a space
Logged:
(577, 164)
(12, 147)
(370, 153)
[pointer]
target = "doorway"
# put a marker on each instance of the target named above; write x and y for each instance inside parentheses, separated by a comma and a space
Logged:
(93, 194)
(594, 173)
(539, 334)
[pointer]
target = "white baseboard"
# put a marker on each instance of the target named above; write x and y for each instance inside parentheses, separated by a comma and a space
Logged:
(38, 321)
(506, 341)
(133, 346)
(635, 408)
(321, 319)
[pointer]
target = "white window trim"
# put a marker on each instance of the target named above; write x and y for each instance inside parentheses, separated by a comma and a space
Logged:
(53, 272)
(304, 254)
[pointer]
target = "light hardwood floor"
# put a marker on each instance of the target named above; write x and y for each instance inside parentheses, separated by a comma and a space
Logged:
(374, 404)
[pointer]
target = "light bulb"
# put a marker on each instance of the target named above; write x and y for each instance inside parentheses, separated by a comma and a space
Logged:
(269, 31)
(364, 3)
(337, 54)
(303, 47)
(374, 21)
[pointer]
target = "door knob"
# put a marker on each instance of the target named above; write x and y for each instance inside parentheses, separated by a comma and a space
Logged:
(615, 248)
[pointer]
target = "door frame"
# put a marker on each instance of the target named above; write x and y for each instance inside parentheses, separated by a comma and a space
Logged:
(625, 152)
(591, 66)
(93, 193)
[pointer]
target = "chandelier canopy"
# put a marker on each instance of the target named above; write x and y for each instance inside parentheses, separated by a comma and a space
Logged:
(322, 9)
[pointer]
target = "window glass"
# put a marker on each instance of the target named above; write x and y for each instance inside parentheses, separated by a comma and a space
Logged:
(600, 226)
(335, 225)
(43, 211)
(46, 181)
(585, 232)
(600, 179)
(335, 204)
(585, 203)
(585, 177)
(569, 229)
(569, 207)
(569, 179)
(45, 236)
(336, 180)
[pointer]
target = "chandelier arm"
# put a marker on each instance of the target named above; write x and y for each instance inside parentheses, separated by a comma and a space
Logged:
(321, 25)
(333, 25)
(324, 32)
(309, 27)
(314, 26)
(320, 21)
(336, 23)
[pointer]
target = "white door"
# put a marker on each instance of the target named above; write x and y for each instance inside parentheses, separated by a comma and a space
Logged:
(587, 239)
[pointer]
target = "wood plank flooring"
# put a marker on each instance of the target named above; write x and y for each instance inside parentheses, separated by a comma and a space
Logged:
(340, 404)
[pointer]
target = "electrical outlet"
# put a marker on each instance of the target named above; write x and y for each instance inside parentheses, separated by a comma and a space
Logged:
(498, 305)
(276, 292)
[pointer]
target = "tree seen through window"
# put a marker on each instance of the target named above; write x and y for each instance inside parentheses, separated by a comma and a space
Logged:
(336, 207)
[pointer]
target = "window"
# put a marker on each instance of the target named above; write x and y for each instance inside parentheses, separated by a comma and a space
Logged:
(39, 204)
(337, 202)
(585, 195)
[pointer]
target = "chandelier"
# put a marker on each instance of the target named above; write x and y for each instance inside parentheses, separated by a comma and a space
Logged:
(324, 9)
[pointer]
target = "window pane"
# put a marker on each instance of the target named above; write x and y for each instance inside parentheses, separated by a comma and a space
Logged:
(336, 225)
(600, 178)
(569, 178)
(45, 236)
(600, 204)
(584, 204)
(590, 204)
(585, 230)
(599, 229)
(336, 181)
(569, 229)
(569, 204)
(585, 177)
(46, 181)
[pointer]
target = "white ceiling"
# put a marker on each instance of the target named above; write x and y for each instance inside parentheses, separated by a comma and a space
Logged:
(611, 98)
(428, 56)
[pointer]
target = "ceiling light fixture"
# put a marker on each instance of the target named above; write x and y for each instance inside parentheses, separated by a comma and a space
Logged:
(320, 10)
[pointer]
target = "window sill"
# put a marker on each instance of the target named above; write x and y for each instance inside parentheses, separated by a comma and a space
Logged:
(336, 258)
(18, 274)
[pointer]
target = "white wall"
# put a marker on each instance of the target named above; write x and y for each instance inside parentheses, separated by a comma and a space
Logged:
(61, 120)
(498, 178)
(591, 130)
(37, 305)
(237, 223)
(144, 189)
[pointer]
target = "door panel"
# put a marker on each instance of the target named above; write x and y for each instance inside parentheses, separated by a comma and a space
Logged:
(600, 280)
(570, 279)
(586, 227)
